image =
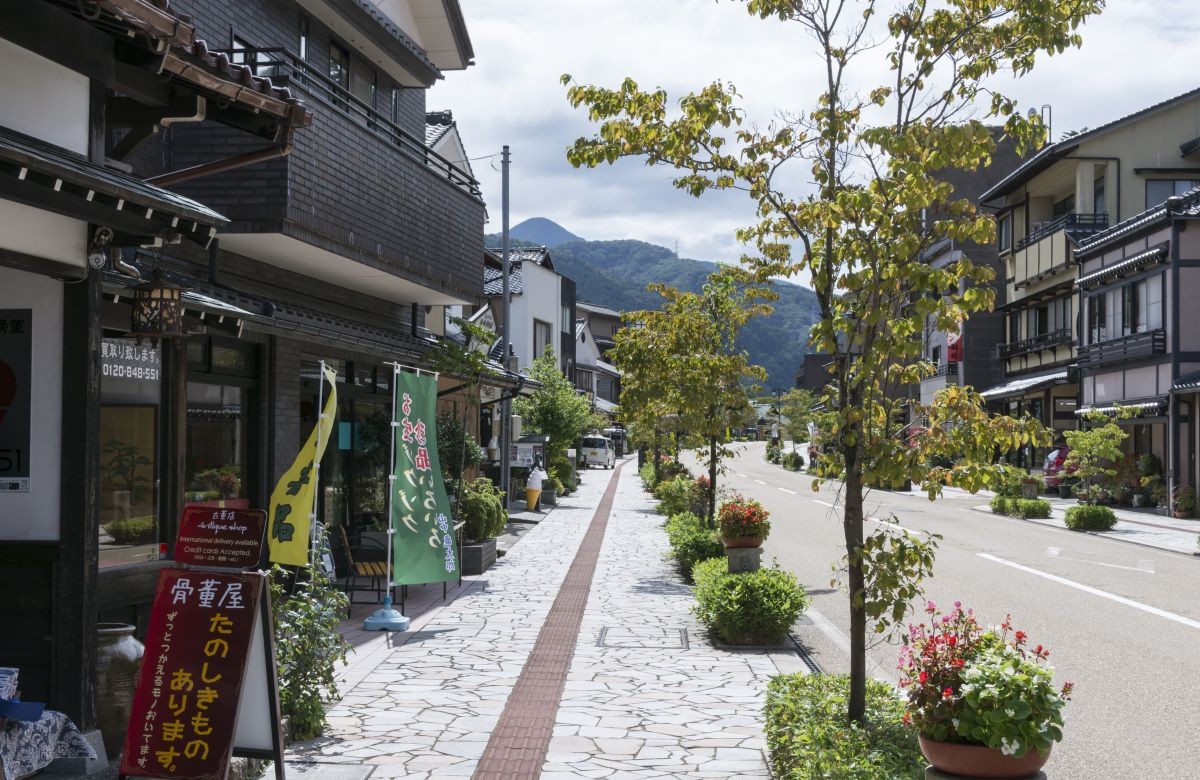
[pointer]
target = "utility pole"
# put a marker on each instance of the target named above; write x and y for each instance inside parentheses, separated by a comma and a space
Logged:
(506, 404)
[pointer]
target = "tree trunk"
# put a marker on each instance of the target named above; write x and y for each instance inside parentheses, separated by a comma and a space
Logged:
(852, 524)
(712, 482)
(657, 455)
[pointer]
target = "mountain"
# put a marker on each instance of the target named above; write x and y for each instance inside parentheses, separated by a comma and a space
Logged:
(543, 232)
(615, 274)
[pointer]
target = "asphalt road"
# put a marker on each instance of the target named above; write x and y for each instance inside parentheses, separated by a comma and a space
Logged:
(1122, 621)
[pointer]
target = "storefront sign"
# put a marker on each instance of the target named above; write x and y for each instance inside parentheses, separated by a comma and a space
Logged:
(186, 704)
(424, 541)
(524, 455)
(227, 538)
(126, 359)
(16, 352)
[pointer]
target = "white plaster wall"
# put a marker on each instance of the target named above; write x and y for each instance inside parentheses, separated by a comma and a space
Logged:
(43, 99)
(401, 13)
(542, 301)
(43, 234)
(1108, 387)
(1189, 313)
(1141, 382)
(35, 515)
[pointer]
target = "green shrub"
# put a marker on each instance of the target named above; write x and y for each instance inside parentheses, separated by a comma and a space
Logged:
(808, 737)
(669, 469)
(675, 495)
(748, 608)
(551, 485)
(791, 460)
(565, 472)
(1090, 518)
(482, 510)
(691, 542)
(1021, 507)
(134, 530)
(646, 472)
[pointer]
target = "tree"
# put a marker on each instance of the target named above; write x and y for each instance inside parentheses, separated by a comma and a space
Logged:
(1095, 451)
(873, 155)
(555, 410)
(796, 407)
(682, 362)
(466, 361)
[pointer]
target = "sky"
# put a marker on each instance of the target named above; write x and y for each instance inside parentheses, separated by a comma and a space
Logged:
(1138, 52)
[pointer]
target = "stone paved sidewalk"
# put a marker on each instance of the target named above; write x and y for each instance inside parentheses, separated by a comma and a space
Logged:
(646, 695)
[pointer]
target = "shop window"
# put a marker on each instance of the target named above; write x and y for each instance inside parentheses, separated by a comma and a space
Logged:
(130, 390)
(218, 445)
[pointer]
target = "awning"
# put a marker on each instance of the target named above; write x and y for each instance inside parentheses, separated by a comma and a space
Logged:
(1128, 265)
(49, 177)
(608, 407)
(1142, 406)
(608, 368)
(1188, 383)
(1024, 385)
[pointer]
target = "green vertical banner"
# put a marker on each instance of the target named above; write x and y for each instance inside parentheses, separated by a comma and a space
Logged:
(423, 546)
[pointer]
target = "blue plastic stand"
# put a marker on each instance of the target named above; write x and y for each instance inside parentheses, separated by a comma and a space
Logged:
(386, 619)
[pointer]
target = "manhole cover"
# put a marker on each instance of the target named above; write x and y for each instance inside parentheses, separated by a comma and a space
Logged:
(648, 637)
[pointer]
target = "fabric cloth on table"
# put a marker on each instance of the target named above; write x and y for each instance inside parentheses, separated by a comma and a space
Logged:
(28, 747)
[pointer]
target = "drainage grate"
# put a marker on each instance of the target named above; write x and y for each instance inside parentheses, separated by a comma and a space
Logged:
(643, 637)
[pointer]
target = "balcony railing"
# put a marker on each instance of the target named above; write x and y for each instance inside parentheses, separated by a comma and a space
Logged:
(946, 370)
(287, 69)
(1132, 347)
(1087, 223)
(1044, 341)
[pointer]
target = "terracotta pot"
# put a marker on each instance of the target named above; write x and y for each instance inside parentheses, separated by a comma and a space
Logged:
(1183, 514)
(742, 541)
(118, 659)
(979, 760)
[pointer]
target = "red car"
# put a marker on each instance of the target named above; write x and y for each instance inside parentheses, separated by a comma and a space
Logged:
(1054, 467)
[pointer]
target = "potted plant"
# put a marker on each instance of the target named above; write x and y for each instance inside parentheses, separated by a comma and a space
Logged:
(550, 488)
(484, 518)
(742, 522)
(984, 703)
(1031, 486)
(1185, 501)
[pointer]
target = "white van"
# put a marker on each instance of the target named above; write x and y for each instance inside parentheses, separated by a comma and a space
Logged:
(598, 451)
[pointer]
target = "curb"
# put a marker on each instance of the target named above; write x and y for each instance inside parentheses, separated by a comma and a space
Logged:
(985, 510)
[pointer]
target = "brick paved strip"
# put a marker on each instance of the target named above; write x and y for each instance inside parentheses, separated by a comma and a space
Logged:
(517, 748)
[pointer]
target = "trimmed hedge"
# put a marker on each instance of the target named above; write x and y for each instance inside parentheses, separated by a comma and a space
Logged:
(646, 472)
(791, 460)
(808, 737)
(692, 542)
(1021, 507)
(747, 608)
(1090, 518)
(133, 530)
(675, 495)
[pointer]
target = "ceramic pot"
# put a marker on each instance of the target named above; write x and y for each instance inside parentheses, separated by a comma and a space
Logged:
(742, 541)
(118, 659)
(979, 760)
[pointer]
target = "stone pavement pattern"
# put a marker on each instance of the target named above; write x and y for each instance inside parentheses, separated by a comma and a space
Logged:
(654, 700)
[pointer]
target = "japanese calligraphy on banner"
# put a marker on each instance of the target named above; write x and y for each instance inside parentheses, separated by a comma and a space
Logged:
(186, 704)
(16, 377)
(291, 509)
(424, 548)
(226, 538)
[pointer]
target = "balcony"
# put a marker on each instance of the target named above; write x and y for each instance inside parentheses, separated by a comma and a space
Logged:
(1133, 347)
(946, 370)
(360, 201)
(1046, 251)
(1049, 340)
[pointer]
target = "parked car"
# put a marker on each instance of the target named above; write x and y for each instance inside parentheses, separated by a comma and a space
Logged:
(1054, 468)
(598, 451)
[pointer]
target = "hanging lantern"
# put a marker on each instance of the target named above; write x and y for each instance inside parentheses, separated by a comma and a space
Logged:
(157, 309)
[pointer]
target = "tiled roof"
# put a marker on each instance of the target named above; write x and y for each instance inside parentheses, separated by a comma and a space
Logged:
(437, 124)
(1131, 263)
(1139, 405)
(1186, 206)
(1050, 153)
(1024, 384)
(597, 309)
(493, 279)
(1188, 383)
(371, 9)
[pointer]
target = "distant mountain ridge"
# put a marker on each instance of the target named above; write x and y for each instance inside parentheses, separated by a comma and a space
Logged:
(615, 274)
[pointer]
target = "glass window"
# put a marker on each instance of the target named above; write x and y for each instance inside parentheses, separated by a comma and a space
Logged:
(130, 388)
(227, 359)
(339, 70)
(1064, 206)
(541, 337)
(1158, 190)
(1098, 196)
(1097, 317)
(1014, 328)
(218, 445)
(1154, 302)
(362, 83)
(304, 33)
(1004, 232)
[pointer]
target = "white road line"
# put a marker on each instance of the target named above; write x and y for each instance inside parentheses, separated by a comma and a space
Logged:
(1162, 613)
(759, 481)
(897, 526)
(785, 490)
(740, 474)
(823, 503)
(1144, 566)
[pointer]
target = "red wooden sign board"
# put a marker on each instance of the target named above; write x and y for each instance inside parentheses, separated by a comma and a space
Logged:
(225, 538)
(186, 704)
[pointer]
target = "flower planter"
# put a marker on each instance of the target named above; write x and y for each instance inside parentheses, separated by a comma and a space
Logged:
(742, 541)
(478, 557)
(979, 760)
(1183, 514)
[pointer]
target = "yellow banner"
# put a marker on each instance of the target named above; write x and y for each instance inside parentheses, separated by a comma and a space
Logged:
(292, 499)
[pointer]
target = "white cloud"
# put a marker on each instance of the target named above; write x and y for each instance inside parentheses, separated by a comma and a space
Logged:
(1137, 53)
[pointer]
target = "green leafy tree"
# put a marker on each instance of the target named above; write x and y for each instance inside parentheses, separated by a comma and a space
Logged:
(796, 407)
(681, 363)
(873, 152)
(1095, 452)
(555, 410)
(466, 361)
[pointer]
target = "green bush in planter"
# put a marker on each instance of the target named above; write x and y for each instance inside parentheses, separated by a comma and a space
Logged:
(808, 737)
(748, 608)
(646, 472)
(1026, 508)
(675, 495)
(1086, 517)
(791, 460)
(482, 510)
(133, 530)
(691, 542)
(551, 485)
